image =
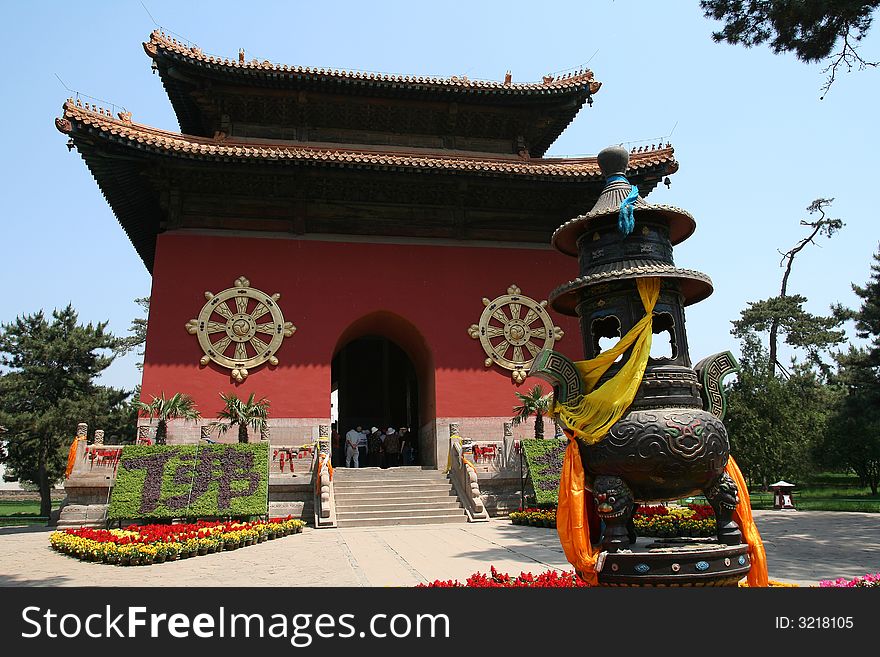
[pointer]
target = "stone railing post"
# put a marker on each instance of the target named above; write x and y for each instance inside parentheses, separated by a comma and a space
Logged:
(507, 445)
(99, 437)
(325, 515)
(464, 474)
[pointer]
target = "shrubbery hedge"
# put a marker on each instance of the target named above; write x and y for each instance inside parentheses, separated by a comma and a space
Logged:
(544, 458)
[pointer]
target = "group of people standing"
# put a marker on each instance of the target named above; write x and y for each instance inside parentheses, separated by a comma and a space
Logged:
(384, 448)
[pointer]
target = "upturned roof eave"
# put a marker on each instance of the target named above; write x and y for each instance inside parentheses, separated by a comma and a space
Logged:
(573, 84)
(145, 138)
(563, 95)
(98, 135)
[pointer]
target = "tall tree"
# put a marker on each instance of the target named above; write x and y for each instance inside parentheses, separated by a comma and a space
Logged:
(138, 331)
(237, 412)
(777, 415)
(774, 422)
(854, 439)
(49, 387)
(784, 314)
(536, 403)
(812, 29)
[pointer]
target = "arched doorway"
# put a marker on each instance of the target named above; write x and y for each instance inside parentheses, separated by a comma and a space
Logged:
(382, 375)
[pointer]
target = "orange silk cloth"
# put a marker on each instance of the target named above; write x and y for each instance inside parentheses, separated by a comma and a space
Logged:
(572, 523)
(743, 517)
(574, 529)
(321, 459)
(71, 456)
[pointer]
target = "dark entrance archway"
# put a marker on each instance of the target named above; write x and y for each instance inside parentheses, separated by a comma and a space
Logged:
(377, 386)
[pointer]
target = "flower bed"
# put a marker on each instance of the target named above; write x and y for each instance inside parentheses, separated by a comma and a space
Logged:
(660, 521)
(547, 579)
(666, 522)
(870, 580)
(140, 545)
(534, 517)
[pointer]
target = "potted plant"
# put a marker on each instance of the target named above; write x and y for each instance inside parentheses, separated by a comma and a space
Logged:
(177, 406)
(243, 414)
(534, 403)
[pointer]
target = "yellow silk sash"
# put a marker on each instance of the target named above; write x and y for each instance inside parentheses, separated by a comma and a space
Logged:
(590, 416)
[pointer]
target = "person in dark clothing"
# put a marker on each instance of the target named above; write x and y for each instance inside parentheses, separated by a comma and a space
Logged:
(374, 448)
(392, 448)
(337, 446)
(406, 447)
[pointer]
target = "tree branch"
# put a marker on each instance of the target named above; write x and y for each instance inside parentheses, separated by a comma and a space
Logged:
(849, 57)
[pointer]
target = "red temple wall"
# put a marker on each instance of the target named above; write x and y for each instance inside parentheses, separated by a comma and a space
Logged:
(423, 297)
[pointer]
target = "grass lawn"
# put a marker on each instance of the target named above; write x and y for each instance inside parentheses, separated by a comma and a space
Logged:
(15, 512)
(826, 491)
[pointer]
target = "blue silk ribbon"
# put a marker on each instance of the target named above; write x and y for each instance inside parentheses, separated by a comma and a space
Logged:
(626, 221)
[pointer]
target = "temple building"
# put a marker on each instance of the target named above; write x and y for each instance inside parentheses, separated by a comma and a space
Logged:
(379, 240)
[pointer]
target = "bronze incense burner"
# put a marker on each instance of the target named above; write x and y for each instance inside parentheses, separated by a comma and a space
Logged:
(671, 441)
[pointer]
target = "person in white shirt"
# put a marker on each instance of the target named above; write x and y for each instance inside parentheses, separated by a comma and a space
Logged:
(351, 447)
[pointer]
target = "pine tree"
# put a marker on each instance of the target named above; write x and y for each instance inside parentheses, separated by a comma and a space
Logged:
(138, 330)
(811, 29)
(854, 438)
(48, 388)
(778, 414)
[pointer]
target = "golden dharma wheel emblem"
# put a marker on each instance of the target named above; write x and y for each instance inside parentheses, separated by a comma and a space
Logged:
(512, 330)
(242, 335)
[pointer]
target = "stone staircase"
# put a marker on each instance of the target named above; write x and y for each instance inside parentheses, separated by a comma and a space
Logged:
(74, 516)
(372, 497)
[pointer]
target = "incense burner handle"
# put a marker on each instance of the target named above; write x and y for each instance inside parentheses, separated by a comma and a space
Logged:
(711, 371)
(559, 371)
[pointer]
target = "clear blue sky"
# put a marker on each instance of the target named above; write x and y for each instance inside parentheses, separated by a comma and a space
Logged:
(755, 143)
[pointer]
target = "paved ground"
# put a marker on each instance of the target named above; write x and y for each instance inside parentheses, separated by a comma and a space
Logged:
(802, 547)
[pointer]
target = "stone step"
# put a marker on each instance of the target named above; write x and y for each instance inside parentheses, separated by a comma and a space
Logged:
(82, 515)
(78, 524)
(380, 473)
(383, 493)
(399, 506)
(401, 520)
(359, 479)
(385, 513)
(396, 481)
(355, 498)
(391, 486)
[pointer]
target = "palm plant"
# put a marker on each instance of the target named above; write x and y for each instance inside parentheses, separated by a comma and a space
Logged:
(534, 403)
(243, 414)
(177, 406)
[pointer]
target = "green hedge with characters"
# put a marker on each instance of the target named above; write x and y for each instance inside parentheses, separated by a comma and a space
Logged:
(544, 459)
(191, 481)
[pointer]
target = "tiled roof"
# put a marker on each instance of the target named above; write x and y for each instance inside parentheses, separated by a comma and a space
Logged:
(121, 128)
(576, 81)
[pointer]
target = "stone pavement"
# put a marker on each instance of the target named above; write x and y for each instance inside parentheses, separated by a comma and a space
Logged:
(802, 548)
